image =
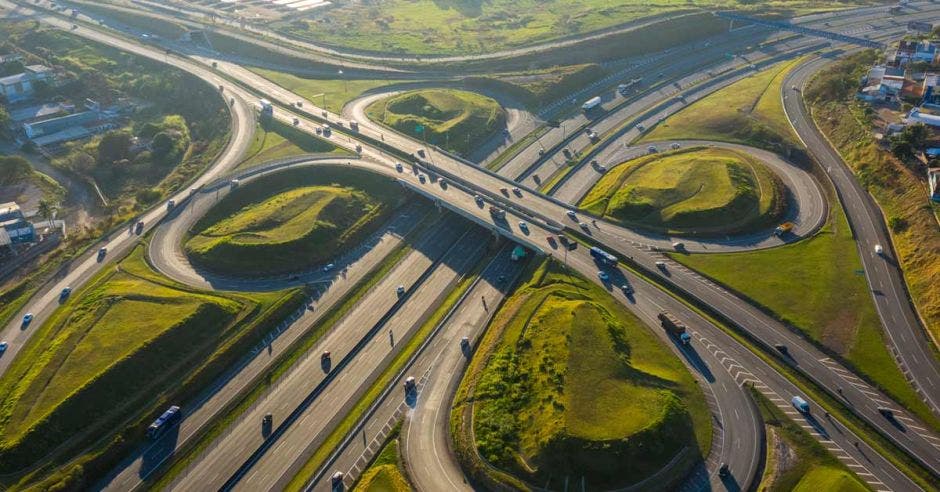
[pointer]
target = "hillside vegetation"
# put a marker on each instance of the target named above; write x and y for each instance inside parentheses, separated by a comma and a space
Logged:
(457, 121)
(695, 190)
(568, 383)
(748, 111)
(292, 220)
(471, 27)
(119, 350)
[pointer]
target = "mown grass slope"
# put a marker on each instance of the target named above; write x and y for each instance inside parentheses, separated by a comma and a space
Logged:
(116, 352)
(330, 94)
(276, 140)
(817, 286)
(570, 383)
(695, 190)
(797, 462)
(454, 120)
(291, 220)
(748, 111)
(384, 474)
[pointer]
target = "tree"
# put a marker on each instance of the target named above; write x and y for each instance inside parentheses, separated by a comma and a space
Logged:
(162, 145)
(901, 148)
(114, 146)
(47, 210)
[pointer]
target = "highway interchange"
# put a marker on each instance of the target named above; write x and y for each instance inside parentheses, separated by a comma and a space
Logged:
(718, 360)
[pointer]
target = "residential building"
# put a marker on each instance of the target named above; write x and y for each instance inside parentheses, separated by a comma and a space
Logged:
(39, 112)
(21, 86)
(926, 52)
(15, 225)
(67, 128)
(916, 116)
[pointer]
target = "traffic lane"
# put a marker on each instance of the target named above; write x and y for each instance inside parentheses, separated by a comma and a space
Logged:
(278, 465)
(803, 356)
(889, 291)
(229, 452)
(746, 367)
(149, 456)
(426, 444)
(738, 427)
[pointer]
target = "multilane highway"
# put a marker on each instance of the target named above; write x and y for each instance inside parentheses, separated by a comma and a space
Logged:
(541, 206)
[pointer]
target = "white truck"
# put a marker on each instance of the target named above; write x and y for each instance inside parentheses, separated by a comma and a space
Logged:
(591, 103)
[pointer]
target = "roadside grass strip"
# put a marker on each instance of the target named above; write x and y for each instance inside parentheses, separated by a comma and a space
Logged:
(274, 140)
(385, 473)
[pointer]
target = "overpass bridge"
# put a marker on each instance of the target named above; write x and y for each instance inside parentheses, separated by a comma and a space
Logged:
(807, 31)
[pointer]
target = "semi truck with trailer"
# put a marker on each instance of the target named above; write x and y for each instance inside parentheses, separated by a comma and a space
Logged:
(783, 228)
(675, 327)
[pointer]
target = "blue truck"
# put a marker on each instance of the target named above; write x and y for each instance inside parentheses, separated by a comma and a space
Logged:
(675, 327)
(602, 256)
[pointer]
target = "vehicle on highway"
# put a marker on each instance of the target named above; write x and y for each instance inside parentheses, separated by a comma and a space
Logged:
(497, 213)
(400, 290)
(327, 130)
(27, 319)
(358, 148)
(675, 145)
(887, 412)
(602, 256)
(478, 199)
(164, 422)
(675, 327)
(267, 420)
(296, 122)
(678, 245)
(354, 125)
(551, 241)
(523, 226)
(782, 349)
(783, 228)
(325, 355)
(583, 225)
(170, 204)
(504, 191)
(318, 130)
(572, 214)
(337, 478)
(652, 149)
(516, 191)
(422, 178)
(421, 153)
(627, 289)
(800, 404)
(139, 227)
(409, 384)
(541, 152)
(601, 168)
(795, 88)
(300, 104)
(328, 267)
(399, 167)
(878, 249)
(3, 347)
(101, 253)
(465, 341)
(66, 292)
(661, 265)
(604, 276)
(723, 470)
(591, 103)
(640, 127)
(592, 135)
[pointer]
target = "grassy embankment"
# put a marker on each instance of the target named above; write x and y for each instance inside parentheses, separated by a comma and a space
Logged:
(276, 140)
(568, 383)
(749, 111)
(120, 349)
(694, 191)
(385, 474)
(457, 121)
(838, 315)
(292, 220)
(899, 188)
(796, 461)
(431, 27)
(329, 94)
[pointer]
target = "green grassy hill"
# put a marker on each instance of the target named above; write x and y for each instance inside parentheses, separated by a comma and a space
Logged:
(748, 111)
(571, 384)
(292, 220)
(454, 120)
(118, 350)
(695, 190)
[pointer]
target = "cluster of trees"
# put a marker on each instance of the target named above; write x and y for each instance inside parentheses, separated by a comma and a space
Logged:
(911, 139)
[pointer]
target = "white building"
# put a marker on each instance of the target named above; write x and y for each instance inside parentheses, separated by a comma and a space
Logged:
(22, 85)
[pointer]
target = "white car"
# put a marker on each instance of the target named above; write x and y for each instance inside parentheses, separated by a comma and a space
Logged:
(661, 265)
(878, 249)
(328, 267)
(603, 276)
(400, 290)
(523, 226)
(572, 214)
